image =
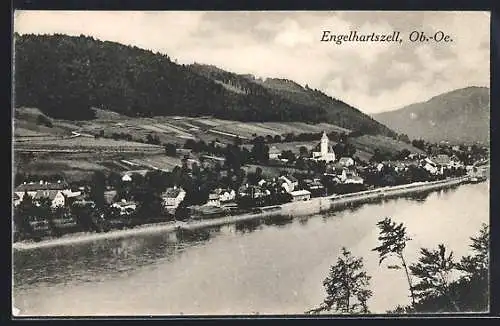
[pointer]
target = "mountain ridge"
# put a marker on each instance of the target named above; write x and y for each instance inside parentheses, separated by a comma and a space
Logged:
(67, 75)
(460, 115)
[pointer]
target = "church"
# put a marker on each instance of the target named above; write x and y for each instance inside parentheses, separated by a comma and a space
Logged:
(325, 152)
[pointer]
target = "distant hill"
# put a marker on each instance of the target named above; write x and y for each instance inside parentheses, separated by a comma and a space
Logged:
(65, 76)
(462, 115)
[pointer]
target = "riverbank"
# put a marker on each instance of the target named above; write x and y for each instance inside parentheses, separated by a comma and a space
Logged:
(299, 208)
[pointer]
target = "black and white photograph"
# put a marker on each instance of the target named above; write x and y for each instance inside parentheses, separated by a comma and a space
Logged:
(250, 163)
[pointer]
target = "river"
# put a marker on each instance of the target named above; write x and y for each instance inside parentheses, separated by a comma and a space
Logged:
(268, 268)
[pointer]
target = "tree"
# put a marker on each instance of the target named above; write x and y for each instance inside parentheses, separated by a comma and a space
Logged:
(303, 151)
(478, 264)
(45, 211)
(393, 238)
(288, 155)
(346, 286)
(469, 293)
(433, 269)
(22, 216)
(114, 179)
(170, 150)
(98, 188)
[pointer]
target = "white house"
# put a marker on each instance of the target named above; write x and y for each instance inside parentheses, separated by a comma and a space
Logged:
(125, 207)
(225, 195)
(274, 153)
(300, 195)
(16, 199)
(346, 161)
(289, 183)
(173, 197)
(326, 152)
(32, 188)
(430, 166)
(340, 175)
(56, 197)
(127, 178)
(353, 178)
(213, 200)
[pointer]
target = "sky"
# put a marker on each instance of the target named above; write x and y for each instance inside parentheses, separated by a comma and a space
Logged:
(373, 77)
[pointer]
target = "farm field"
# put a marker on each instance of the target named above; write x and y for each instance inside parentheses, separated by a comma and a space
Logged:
(169, 129)
(75, 166)
(83, 143)
(158, 161)
(29, 134)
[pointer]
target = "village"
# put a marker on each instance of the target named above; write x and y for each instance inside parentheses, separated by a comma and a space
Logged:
(214, 183)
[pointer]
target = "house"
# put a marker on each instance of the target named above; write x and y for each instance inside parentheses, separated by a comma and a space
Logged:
(274, 153)
(262, 182)
(346, 161)
(82, 202)
(430, 166)
(32, 187)
(173, 197)
(340, 175)
(126, 178)
(252, 191)
(315, 187)
(225, 195)
(109, 196)
(325, 152)
(442, 160)
(299, 195)
(213, 200)
(56, 197)
(125, 207)
(353, 178)
(289, 183)
(16, 199)
(399, 166)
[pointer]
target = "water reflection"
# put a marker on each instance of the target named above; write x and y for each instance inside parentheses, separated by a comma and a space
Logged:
(90, 261)
(419, 197)
(279, 221)
(247, 226)
(196, 236)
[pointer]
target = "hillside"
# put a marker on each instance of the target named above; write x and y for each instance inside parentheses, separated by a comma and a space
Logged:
(462, 115)
(285, 92)
(66, 76)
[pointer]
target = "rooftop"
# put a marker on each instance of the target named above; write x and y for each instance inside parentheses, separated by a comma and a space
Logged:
(51, 194)
(41, 186)
(300, 193)
(172, 192)
(213, 197)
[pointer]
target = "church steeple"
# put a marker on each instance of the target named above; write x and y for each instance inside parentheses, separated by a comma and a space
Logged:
(324, 144)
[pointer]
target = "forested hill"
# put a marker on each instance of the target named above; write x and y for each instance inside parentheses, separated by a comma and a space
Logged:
(462, 115)
(66, 76)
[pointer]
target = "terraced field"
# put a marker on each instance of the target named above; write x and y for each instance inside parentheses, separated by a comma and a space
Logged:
(158, 161)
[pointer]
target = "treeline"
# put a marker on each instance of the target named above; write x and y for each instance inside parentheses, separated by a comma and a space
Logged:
(65, 77)
(438, 282)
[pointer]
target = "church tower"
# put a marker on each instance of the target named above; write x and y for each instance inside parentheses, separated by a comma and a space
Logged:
(324, 144)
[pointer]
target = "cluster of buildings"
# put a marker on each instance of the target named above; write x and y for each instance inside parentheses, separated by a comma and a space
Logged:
(59, 193)
(342, 171)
